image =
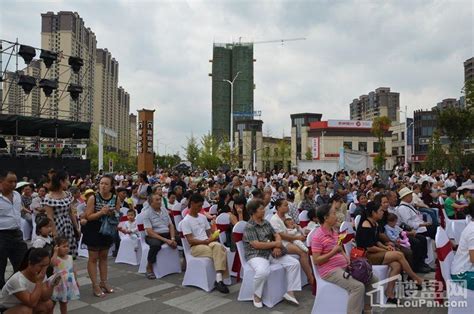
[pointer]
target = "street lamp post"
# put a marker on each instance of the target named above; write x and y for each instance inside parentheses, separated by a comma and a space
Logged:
(232, 110)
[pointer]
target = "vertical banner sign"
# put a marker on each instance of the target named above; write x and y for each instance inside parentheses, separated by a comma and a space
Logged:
(140, 137)
(149, 137)
(315, 148)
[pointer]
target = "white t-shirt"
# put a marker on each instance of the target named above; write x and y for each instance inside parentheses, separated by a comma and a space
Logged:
(196, 226)
(279, 226)
(118, 178)
(41, 241)
(462, 262)
(17, 283)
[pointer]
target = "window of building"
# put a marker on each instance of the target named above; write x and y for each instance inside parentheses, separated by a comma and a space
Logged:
(362, 146)
(347, 145)
(394, 136)
(394, 151)
(403, 150)
(403, 136)
(376, 147)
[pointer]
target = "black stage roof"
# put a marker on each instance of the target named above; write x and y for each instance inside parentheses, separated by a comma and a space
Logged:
(32, 126)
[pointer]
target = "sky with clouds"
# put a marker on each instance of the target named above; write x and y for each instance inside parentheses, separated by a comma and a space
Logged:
(163, 47)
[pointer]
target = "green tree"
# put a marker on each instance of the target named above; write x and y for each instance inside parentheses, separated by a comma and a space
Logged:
(167, 161)
(458, 125)
(192, 150)
(309, 154)
(227, 156)
(380, 126)
(284, 152)
(468, 91)
(93, 156)
(436, 158)
(208, 157)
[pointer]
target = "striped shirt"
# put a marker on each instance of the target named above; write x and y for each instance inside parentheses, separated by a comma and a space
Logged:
(323, 242)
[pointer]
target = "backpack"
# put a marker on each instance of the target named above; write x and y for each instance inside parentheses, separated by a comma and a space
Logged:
(359, 269)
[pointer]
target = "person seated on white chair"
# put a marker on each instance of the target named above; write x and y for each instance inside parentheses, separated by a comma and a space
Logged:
(197, 231)
(129, 228)
(278, 223)
(463, 263)
(331, 260)
(159, 230)
(263, 246)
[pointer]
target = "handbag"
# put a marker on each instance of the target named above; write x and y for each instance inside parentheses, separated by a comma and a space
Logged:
(357, 252)
(359, 269)
(109, 222)
(109, 225)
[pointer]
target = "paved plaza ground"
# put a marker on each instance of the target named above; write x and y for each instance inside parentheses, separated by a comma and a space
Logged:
(136, 294)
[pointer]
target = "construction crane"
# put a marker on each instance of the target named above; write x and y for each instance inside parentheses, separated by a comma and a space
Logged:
(282, 41)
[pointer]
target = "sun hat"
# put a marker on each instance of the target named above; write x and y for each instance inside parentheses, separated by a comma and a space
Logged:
(404, 192)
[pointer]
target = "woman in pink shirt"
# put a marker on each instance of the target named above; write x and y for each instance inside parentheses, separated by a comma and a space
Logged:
(331, 260)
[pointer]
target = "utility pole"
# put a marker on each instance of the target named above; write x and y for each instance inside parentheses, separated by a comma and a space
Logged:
(232, 111)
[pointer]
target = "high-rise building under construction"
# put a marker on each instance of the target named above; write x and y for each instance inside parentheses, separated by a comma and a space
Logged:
(229, 60)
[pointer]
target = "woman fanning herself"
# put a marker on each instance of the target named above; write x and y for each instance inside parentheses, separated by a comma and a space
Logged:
(103, 203)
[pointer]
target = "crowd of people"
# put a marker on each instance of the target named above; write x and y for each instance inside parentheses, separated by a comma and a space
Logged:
(394, 217)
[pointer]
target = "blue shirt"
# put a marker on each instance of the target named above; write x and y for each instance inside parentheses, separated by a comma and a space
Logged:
(10, 212)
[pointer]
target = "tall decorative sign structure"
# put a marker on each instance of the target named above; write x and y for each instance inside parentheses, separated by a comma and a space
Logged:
(145, 140)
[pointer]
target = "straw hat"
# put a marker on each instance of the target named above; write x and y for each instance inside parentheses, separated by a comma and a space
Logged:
(404, 192)
(88, 191)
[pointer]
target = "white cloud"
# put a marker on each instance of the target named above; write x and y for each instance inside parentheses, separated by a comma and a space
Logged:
(163, 47)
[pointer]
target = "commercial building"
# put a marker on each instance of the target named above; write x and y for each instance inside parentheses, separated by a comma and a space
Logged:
(452, 103)
(300, 123)
(133, 135)
(401, 137)
(66, 33)
(106, 109)
(381, 102)
(469, 70)
(326, 139)
(123, 125)
(425, 123)
(259, 152)
(228, 60)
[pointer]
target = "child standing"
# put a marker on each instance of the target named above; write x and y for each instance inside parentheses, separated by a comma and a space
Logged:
(68, 288)
(43, 231)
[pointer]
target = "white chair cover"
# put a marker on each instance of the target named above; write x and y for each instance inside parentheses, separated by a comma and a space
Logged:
(454, 227)
(441, 240)
(128, 252)
(26, 228)
(274, 288)
(200, 271)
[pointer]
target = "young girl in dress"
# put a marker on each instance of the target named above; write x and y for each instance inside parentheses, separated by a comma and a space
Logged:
(68, 288)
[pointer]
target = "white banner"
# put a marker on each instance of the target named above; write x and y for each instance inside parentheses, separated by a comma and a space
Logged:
(315, 148)
(353, 124)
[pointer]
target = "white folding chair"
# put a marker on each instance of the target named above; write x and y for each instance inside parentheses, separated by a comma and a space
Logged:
(303, 218)
(446, 257)
(128, 252)
(223, 223)
(381, 271)
(274, 288)
(356, 221)
(213, 210)
(124, 211)
(26, 228)
(454, 227)
(82, 249)
(200, 271)
(330, 298)
(167, 259)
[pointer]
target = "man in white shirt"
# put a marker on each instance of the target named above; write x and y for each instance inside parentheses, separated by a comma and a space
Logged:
(450, 181)
(463, 263)
(12, 246)
(197, 231)
(411, 216)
